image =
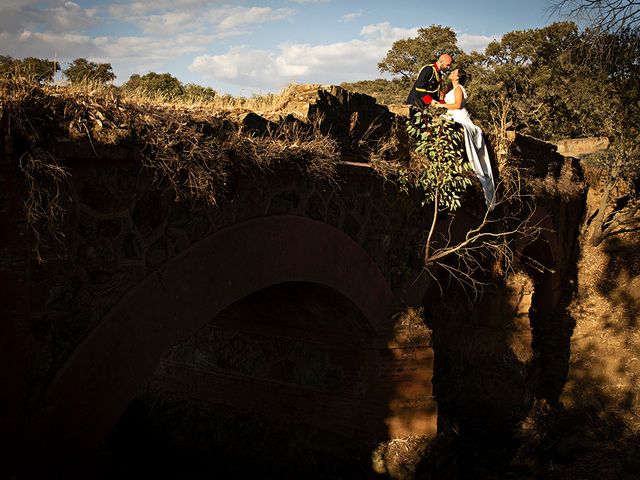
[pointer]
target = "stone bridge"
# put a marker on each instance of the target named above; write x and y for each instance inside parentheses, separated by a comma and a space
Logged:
(291, 299)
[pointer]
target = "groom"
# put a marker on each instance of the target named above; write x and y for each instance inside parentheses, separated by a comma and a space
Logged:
(426, 88)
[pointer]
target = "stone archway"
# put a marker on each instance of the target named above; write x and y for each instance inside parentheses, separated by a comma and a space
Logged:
(551, 324)
(100, 378)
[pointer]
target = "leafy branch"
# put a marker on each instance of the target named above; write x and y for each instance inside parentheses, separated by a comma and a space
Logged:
(440, 171)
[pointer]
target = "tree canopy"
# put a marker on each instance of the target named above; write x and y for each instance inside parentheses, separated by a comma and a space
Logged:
(554, 82)
(40, 70)
(408, 56)
(155, 83)
(82, 70)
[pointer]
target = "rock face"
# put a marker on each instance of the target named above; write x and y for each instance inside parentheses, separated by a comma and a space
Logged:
(578, 147)
(352, 118)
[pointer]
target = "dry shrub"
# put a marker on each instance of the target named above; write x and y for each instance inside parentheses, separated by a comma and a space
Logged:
(399, 457)
(197, 162)
(390, 153)
(409, 328)
(568, 443)
(566, 186)
(44, 115)
(46, 183)
(194, 146)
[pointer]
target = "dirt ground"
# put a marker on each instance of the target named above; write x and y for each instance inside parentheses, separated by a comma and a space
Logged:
(595, 431)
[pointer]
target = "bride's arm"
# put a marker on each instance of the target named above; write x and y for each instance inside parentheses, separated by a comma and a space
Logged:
(457, 101)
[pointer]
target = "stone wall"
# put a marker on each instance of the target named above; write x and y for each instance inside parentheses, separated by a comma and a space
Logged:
(128, 243)
(122, 228)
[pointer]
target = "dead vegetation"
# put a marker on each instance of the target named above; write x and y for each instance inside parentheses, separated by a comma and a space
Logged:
(194, 147)
(399, 458)
(46, 199)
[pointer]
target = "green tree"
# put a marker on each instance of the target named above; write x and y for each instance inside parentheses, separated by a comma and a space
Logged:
(196, 92)
(441, 173)
(40, 70)
(82, 70)
(564, 83)
(406, 57)
(552, 90)
(154, 83)
(384, 91)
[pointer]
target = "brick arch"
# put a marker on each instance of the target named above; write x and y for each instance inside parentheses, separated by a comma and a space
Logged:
(101, 377)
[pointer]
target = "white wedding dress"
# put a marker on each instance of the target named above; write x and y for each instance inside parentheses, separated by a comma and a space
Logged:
(474, 145)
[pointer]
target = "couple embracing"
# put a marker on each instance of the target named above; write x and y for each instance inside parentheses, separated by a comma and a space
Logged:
(426, 92)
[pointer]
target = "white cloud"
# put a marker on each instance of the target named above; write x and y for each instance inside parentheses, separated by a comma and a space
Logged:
(349, 17)
(164, 18)
(478, 43)
(57, 16)
(168, 23)
(48, 45)
(303, 63)
(153, 49)
(240, 16)
(385, 31)
(132, 10)
(68, 17)
(241, 65)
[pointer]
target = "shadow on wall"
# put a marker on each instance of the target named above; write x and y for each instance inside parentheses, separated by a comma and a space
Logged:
(493, 359)
(278, 385)
(289, 382)
(602, 440)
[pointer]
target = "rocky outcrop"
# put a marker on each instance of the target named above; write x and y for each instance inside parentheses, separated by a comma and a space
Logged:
(579, 147)
(352, 118)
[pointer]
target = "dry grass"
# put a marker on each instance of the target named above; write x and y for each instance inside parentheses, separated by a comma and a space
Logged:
(47, 197)
(191, 145)
(565, 186)
(399, 457)
(261, 104)
(409, 328)
(595, 431)
(391, 153)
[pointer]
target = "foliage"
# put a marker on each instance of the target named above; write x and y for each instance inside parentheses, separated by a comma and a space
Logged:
(408, 56)
(441, 172)
(163, 84)
(40, 70)
(195, 92)
(82, 70)
(193, 149)
(385, 91)
(556, 84)
(619, 209)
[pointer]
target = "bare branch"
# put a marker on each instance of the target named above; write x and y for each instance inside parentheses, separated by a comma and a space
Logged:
(470, 259)
(605, 15)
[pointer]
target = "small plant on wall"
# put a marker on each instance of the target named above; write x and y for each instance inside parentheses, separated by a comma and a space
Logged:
(439, 169)
(441, 174)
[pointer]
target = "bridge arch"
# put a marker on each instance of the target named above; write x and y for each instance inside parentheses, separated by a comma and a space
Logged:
(100, 378)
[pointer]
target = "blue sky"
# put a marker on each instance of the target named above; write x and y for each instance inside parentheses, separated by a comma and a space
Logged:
(246, 47)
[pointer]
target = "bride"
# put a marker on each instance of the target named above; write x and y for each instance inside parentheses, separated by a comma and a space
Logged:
(455, 102)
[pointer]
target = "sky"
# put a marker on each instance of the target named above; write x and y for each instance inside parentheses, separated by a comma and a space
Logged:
(248, 47)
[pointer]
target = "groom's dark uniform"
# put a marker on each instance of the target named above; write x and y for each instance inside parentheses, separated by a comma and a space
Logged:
(426, 88)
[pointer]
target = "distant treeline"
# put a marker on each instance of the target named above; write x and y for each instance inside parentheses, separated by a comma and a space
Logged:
(81, 70)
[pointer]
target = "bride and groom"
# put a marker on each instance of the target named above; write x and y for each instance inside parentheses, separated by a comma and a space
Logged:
(425, 92)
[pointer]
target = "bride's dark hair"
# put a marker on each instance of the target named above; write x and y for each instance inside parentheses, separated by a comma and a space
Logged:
(462, 76)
